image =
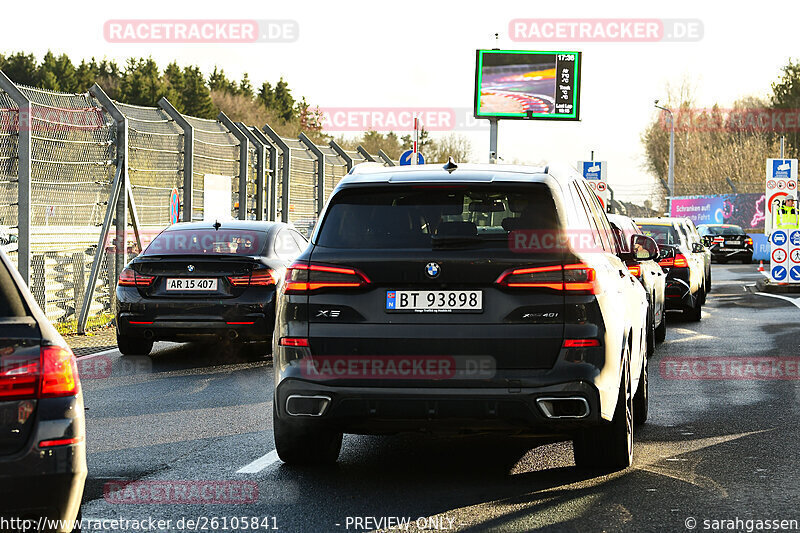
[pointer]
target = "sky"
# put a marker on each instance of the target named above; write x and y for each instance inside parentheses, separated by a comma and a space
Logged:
(422, 54)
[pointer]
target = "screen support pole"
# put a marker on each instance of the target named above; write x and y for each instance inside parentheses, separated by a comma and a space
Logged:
(493, 140)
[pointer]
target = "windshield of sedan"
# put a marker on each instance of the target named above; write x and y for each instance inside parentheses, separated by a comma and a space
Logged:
(207, 241)
(427, 216)
(661, 234)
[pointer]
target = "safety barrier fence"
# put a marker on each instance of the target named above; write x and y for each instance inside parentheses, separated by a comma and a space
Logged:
(86, 181)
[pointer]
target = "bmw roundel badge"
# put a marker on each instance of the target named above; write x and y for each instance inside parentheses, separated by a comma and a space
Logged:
(432, 269)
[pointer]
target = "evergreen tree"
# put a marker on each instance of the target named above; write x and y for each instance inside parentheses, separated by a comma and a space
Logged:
(196, 94)
(245, 87)
(21, 68)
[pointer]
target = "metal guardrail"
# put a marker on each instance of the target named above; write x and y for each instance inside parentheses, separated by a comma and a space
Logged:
(61, 154)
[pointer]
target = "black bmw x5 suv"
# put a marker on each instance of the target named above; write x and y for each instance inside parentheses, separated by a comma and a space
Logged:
(461, 299)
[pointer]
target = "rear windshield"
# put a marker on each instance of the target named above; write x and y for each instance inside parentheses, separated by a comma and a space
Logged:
(661, 234)
(207, 242)
(724, 230)
(399, 217)
(11, 305)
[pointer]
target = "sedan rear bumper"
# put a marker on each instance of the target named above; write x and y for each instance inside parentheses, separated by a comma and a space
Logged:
(250, 328)
(383, 410)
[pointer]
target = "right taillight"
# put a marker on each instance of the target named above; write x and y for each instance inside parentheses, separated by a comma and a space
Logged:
(309, 277)
(130, 278)
(680, 261)
(668, 262)
(574, 278)
(635, 270)
(54, 373)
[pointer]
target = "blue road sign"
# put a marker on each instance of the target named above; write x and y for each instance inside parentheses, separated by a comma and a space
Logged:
(795, 273)
(781, 168)
(592, 170)
(779, 273)
(405, 159)
(794, 238)
(779, 238)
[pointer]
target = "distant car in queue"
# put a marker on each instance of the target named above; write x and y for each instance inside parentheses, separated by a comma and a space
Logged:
(727, 242)
(201, 279)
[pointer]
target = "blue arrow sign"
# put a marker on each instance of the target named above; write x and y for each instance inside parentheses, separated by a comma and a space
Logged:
(779, 238)
(405, 159)
(795, 273)
(779, 273)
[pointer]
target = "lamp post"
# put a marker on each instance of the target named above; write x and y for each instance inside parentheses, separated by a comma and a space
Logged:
(671, 171)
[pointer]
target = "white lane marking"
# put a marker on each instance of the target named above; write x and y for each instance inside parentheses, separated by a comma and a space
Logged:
(793, 301)
(98, 354)
(259, 464)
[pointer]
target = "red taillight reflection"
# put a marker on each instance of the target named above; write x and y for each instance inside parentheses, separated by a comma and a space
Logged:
(293, 341)
(322, 277)
(581, 343)
(59, 442)
(130, 278)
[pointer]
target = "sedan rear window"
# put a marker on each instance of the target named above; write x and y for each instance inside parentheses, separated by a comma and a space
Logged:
(399, 217)
(725, 230)
(207, 242)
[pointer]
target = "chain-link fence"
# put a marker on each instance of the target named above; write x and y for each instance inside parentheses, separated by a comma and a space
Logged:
(57, 178)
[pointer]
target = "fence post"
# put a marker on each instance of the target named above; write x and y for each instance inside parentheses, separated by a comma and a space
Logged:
(23, 176)
(272, 199)
(363, 151)
(285, 169)
(344, 155)
(121, 224)
(188, 155)
(386, 159)
(259, 200)
(320, 169)
(244, 154)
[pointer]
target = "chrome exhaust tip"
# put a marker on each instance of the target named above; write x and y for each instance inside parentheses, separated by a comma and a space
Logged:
(568, 407)
(299, 405)
(233, 334)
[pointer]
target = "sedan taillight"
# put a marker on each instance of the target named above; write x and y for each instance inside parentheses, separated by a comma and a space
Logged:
(53, 374)
(305, 277)
(130, 278)
(749, 241)
(577, 278)
(262, 277)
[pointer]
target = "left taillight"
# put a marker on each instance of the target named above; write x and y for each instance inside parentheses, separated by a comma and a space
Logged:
(577, 278)
(260, 277)
(53, 374)
(130, 278)
(310, 277)
(635, 270)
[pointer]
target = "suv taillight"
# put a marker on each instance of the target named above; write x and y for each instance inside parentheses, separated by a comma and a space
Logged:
(53, 374)
(680, 261)
(130, 278)
(260, 277)
(749, 241)
(635, 270)
(577, 277)
(305, 277)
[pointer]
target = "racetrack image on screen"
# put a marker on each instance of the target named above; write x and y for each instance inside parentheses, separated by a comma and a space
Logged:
(517, 84)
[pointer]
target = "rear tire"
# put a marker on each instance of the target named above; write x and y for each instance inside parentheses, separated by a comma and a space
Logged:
(298, 445)
(661, 330)
(695, 313)
(610, 446)
(640, 400)
(133, 345)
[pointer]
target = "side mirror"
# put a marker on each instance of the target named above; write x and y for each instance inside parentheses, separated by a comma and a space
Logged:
(698, 248)
(644, 248)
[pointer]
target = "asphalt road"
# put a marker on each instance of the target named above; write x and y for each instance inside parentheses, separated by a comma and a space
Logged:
(713, 449)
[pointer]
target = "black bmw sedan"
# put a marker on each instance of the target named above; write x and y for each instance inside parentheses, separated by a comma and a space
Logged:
(200, 280)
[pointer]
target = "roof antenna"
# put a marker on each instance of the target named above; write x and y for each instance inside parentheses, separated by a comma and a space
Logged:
(217, 225)
(450, 166)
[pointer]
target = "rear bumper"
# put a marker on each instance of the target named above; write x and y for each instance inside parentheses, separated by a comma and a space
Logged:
(678, 294)
(252, 328)
(383, 410)
(47, 482)
(717, 254)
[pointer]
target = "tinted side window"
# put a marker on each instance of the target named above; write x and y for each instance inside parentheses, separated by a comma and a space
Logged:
(586, 215)
(299, 239)
(599, 218)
